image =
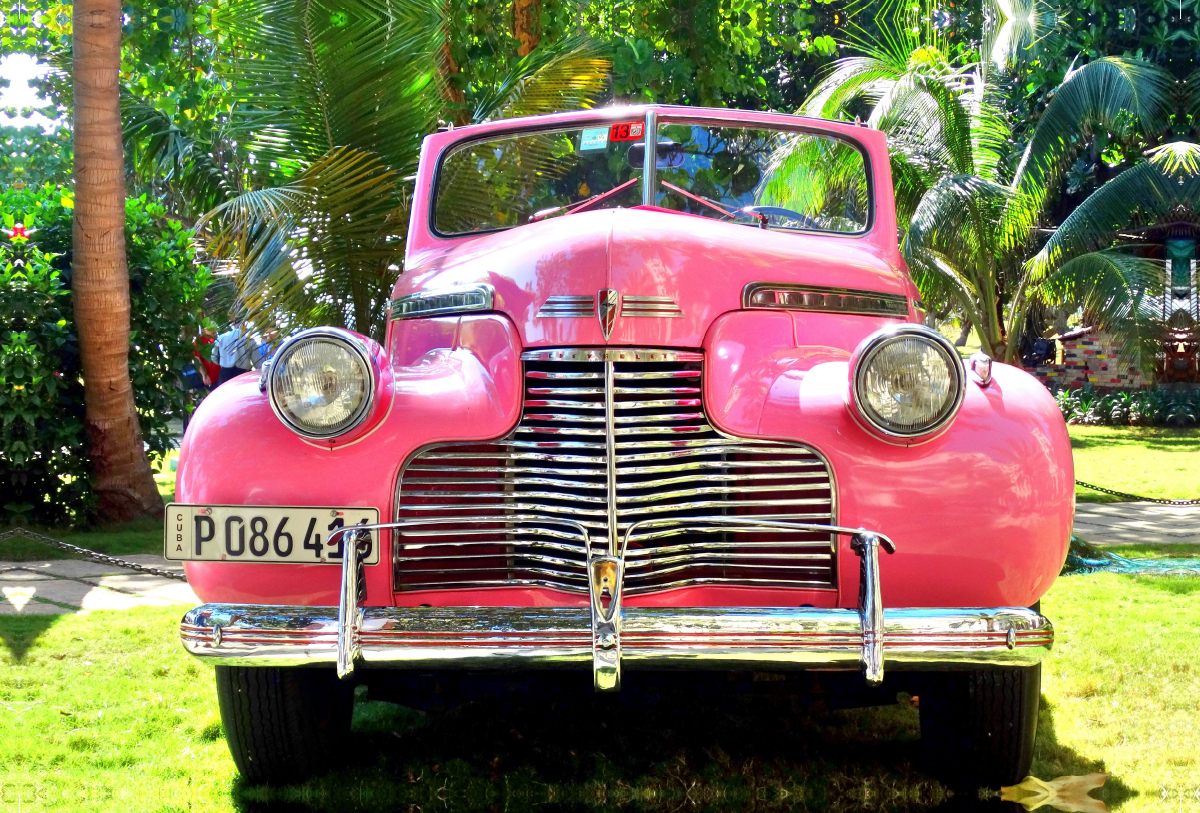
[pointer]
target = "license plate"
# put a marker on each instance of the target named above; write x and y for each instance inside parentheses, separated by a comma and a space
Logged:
(264, 533)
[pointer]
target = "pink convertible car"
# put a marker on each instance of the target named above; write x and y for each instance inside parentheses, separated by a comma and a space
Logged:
(656, 396)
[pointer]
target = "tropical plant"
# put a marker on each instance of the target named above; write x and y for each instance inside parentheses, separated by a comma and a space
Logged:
(968, 220)
(310, 181)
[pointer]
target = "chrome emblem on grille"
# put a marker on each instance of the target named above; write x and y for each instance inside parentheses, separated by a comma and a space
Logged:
(607, 301)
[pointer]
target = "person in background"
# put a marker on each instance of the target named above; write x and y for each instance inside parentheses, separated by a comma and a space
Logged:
(235, 350)
(267, 348)
(207, 370)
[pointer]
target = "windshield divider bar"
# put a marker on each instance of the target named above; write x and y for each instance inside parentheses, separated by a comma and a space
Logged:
(650, 160)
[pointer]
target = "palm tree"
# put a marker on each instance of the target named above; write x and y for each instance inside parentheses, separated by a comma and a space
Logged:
(124, 484)
(968, 223)
(310, 196)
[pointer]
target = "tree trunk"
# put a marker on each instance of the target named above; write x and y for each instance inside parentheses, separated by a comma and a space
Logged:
(527, 25)
(100, 279)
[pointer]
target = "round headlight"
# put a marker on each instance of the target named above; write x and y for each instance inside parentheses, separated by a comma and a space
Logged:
(907, 380)
(321, 383)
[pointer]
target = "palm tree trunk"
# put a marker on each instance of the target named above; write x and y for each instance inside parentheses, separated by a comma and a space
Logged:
(100, 279)
(527, 25)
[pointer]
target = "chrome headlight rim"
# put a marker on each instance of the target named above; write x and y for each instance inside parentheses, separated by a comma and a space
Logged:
(879, 340)
(358, 349)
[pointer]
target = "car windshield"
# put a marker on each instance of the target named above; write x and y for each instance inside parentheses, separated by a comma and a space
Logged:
(759, 176)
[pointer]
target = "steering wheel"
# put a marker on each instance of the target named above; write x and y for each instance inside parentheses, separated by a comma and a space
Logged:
(779, 211)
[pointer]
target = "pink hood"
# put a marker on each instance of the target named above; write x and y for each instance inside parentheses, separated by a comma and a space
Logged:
(700, 263)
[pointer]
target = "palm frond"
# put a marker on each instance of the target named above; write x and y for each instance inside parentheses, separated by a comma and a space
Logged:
(1119, 94)
(353, 73)
(158, 149)
(324, 248)
(849, 79)
(939, 281)
(569, 75)
(1142, 189)
(1117, 290)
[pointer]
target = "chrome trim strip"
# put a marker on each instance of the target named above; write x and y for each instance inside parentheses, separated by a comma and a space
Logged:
(610, 354)
(821, 298)
(661, 306)
(444, 301)
(566, 307)
(652, 638)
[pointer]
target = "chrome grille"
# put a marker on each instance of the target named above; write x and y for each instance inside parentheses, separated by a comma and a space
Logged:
(516, 496)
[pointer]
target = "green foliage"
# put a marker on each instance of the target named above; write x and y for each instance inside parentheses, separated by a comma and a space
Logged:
(43, 468)
(1177, 408)
(43, 444)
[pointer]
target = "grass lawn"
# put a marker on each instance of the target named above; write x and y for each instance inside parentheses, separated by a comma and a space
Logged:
(105, 712)
(1157, 463)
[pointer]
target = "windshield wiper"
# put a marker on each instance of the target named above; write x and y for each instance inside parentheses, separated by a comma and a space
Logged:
(586, 203)
(729, 211)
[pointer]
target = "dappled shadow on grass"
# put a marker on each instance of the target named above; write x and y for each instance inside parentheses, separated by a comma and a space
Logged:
(1051, 759)
(680, 750)
(18, 632)
(1161, 439)
(140, 536)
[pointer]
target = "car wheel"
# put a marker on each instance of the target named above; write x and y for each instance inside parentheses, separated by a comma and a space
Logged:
(284, 725)
(977, 728)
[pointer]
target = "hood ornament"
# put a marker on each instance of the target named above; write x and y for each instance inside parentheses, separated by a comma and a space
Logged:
(607, 301)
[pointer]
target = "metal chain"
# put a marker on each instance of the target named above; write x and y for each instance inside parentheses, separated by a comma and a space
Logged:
(102, 558)
(1135, 496)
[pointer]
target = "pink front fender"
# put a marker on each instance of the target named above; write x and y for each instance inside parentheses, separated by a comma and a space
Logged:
(981, 515)
(463, 384)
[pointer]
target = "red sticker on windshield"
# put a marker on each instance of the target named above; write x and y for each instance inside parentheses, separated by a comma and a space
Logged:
(626, 132)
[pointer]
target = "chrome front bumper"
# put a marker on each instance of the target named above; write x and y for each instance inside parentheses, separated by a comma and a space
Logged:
(607, 636)
(651, 638)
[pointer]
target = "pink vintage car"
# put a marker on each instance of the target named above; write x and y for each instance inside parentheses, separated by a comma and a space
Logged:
(638, 409)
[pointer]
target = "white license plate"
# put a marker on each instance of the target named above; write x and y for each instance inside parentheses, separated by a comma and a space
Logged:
(263, 533)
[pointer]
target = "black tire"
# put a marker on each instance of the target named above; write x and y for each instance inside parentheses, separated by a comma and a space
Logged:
(977, 728)
(284, 725)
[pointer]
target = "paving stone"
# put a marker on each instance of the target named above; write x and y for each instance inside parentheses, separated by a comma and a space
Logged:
(21, 574)
(1137, 523)
(92, 597)
(149, 586)
(66, 567)
(29, 607)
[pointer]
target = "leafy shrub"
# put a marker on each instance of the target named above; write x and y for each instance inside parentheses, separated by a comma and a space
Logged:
(43, 444)
(1152, 407)
(43, 461)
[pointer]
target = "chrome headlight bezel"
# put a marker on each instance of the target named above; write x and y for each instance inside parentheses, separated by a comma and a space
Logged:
(878, 341)
(358, 350)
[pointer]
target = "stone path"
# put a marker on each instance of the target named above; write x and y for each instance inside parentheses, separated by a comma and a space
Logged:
(1128, 523)
(68, 586)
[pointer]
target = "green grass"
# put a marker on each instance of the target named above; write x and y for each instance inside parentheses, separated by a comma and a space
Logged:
(140, 536)
(1156, 463)
(105, 712)
(164, 475)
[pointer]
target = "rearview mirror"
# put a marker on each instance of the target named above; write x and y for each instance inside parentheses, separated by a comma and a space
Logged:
(670, 154)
